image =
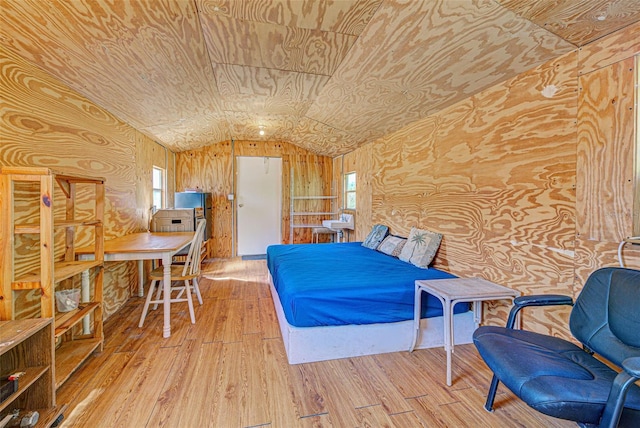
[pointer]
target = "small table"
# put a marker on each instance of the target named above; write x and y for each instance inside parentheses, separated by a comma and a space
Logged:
(145, 246)
(452, 291)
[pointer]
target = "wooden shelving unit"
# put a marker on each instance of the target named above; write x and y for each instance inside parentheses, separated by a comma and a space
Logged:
(27, 346)
(30, 210)
(293, 213)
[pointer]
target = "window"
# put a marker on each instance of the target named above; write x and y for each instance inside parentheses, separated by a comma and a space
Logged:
(158, 187)
(350, 191)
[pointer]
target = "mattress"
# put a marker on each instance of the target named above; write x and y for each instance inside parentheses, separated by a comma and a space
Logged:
(346, 283)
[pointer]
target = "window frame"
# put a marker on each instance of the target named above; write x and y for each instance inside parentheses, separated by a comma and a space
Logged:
(347, 192)
(161, 189)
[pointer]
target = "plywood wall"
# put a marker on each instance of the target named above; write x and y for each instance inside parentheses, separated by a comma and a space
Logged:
(607, 149)
(530, 182)
(44, 123)
(212, 169)
(361, 162)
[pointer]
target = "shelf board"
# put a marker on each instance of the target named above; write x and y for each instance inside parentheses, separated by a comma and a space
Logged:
(311, 213)
(33, 171)
(35, 228)
(26, 228)
(303, 198)
(67, 320)
(19, 331)
(70, 355)
(62, 271)
(31, 375)
(72, 223)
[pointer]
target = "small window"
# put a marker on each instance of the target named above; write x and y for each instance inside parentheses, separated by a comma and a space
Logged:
(350, 191)
(158, 187)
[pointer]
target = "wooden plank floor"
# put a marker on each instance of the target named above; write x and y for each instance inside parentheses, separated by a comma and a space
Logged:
(230, 370)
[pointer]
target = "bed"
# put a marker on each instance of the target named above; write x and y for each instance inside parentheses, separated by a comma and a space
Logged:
(345, 300)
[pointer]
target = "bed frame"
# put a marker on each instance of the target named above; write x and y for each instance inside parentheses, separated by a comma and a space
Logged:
(309, 344)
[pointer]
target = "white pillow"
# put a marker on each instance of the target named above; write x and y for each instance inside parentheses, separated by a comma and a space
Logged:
(392, 245)
(421, 247)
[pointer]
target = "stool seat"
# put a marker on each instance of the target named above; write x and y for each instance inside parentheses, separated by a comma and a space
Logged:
(321, 230)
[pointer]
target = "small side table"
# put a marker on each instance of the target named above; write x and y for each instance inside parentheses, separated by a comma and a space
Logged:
(452, 291)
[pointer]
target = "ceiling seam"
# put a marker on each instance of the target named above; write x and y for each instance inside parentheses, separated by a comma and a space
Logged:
(213, 73)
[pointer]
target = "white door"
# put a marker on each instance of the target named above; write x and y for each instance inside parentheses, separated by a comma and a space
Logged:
(258, 203)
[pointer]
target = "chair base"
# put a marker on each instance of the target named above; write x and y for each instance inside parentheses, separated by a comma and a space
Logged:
(189, 287)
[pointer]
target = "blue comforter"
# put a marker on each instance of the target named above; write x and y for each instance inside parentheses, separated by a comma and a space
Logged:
(339, 284)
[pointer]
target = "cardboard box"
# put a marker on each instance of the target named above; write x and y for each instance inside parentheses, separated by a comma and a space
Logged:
(173, 220)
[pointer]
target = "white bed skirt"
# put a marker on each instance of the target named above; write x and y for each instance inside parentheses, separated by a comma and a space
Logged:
(309, 344)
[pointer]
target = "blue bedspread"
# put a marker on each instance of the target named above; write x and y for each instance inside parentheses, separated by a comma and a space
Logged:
(339, 284)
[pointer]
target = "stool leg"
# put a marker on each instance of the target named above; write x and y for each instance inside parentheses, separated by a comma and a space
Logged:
(147, 302)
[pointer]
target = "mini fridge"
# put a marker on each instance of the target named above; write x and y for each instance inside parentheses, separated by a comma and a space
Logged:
(203, 207)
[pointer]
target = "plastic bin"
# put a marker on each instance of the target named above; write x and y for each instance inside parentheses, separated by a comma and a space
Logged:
(67, 300)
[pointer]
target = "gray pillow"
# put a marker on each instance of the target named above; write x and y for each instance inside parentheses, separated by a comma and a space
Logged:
(377, 234)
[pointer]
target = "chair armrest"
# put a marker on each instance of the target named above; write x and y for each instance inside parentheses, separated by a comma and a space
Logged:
(536, 300)
(543, 300)
(632, 366)
(618, 393)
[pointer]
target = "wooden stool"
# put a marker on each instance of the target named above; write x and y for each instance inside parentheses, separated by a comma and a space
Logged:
(318, 230)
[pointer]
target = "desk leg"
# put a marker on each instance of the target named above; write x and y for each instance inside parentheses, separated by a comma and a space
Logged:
(166, 294)
(141, 278)
(417, 303)
(477, 312)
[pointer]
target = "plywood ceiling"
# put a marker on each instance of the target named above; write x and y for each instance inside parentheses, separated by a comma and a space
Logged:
(327, 75)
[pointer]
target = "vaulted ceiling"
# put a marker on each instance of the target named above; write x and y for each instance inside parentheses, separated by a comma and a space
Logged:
(327, 75)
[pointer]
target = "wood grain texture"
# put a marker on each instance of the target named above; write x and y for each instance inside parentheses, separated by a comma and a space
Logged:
(327, 75)
(345, 16)
(325, 139)
(44, 123)
(117, 55)
(359, 161)
(312, 176)
(606, 183)
(620, 45)
(533, 207)
(261, 44)
(497, 185)
(244, 379)
(605, 153)
(211, 170)
(414, 74)
(275, 91)
(636, 178)
(576, 24)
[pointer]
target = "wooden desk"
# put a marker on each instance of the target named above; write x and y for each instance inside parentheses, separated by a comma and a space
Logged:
(145, 246)
(450, 292)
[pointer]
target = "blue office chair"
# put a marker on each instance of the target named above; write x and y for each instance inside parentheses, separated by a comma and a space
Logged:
(562, 380)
